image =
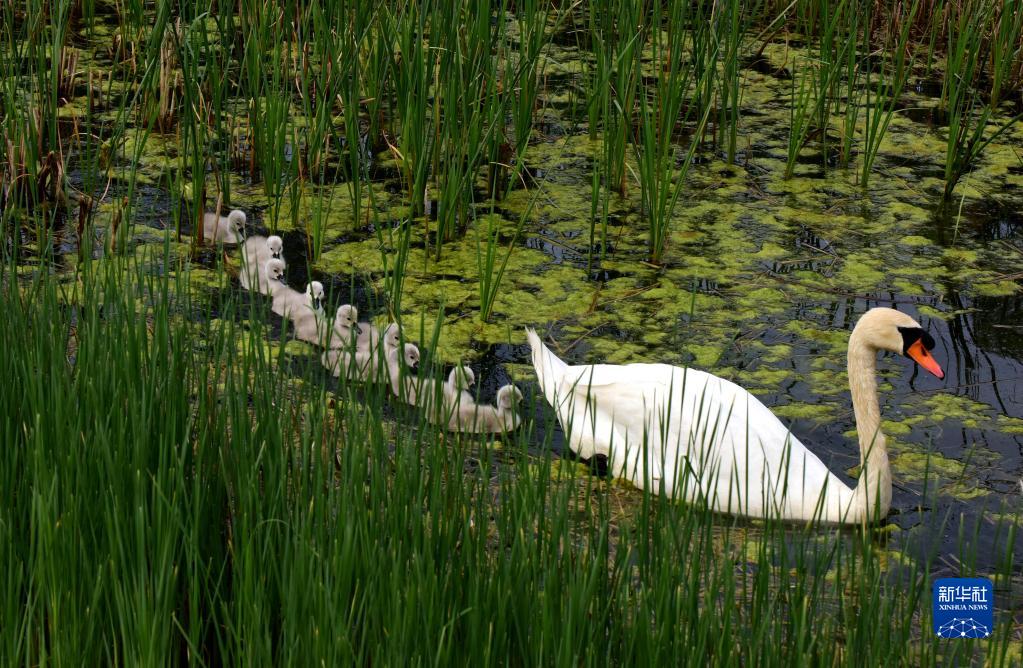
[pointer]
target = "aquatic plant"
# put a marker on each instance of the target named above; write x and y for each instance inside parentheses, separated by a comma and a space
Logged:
(968, 115)
(617, 34)
(491, 273)
(810, 106)
(801, 106)
(611, 85)
(412, 66)
(886, 99)
(1006, 45)
(729, 33)
(661, 111)
(522, 74)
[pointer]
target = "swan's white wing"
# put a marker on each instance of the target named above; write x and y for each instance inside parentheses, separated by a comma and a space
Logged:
(606, 410)
(696, 436)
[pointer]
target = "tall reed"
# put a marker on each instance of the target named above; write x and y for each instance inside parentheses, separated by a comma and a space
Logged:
(968, 114)
(618, 32)
(898, 65)
(662, 112)
(729, 33)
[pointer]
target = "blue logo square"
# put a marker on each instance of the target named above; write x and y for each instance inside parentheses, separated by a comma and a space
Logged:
(963, 607)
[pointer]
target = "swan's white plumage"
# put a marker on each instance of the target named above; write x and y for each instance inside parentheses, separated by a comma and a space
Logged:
(345, 327)
(310, 326)
(401, 371)
(229, 229)
(456, 389)
(290, 303)
(268, 281)
(485, 419)
(258, 250)
(341, 356)
(698, 437)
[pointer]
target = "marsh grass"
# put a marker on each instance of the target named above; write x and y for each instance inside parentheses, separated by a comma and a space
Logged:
(968, 133)
(206, 498)
(730, 37)
(898, 64)
(662, 110)
(617, 33)
(801, 104)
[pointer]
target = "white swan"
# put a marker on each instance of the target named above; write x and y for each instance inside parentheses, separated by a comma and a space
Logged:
(340, 353)
(368, 338)
(310, 326)
(288, 301)
(345, 325)
(456, 389)
(257, 251)
(501, 417)
(269, 281)
(227, 229)
(371, 349)
(699, 437)
(402, 372)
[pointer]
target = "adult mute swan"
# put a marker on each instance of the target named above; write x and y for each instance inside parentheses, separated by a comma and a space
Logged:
(224, 229)
(699, 437)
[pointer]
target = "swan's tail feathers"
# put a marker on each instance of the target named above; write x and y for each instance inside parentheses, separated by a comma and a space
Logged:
(543, 358)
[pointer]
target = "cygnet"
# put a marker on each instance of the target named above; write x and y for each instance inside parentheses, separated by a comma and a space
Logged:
(487, 419)
(269, 281)
(227, 229)
(291, 301)
(456, 389)
(256, 251)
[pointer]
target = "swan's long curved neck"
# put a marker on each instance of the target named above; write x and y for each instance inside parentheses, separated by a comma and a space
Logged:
(873, 494)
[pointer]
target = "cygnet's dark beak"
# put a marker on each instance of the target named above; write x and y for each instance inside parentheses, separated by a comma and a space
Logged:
(414, 368)
(276, 255)
(358, 330)
(316, 303)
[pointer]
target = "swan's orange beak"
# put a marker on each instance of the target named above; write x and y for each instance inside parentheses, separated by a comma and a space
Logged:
(919, 354)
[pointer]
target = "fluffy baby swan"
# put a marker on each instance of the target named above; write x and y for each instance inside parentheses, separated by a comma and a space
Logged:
(310, 327)
(344, 327)
(456, 389)
(704, 439)
(269, 281)
(402, 372)
(371, 349)
(286, 302)
(486, 419)
(256, 251)
(224, 229)
(340, 355)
